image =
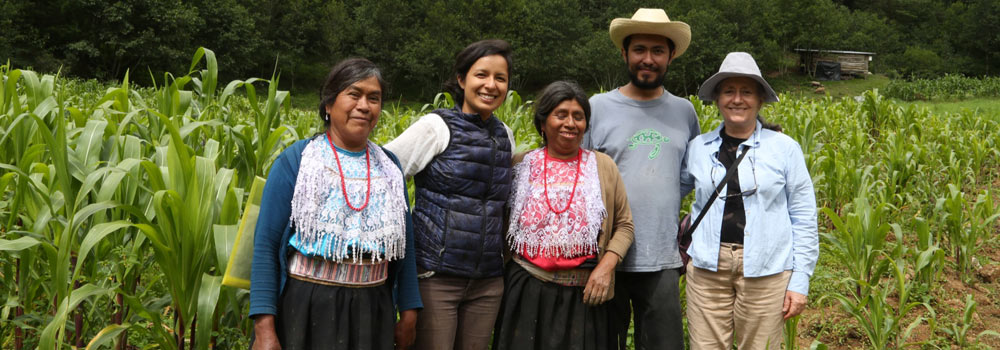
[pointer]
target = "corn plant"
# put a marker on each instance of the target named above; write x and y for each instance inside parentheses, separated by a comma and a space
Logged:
(791, 333)
(393, 121)
(903, 158)
(965, 226)
(708, 114)
(63, 221)
(858, 242)
(959, 331)
(518, 115)
(259, 145)
(188, 191)
(880, 319)
(949, 86)
(69, 186)
(880, 113)
(927, 258)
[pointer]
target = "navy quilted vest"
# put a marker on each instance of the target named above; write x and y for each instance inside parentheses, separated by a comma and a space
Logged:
(460, 198)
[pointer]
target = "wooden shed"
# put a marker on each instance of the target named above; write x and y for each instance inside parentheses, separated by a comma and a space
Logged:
(851, 62)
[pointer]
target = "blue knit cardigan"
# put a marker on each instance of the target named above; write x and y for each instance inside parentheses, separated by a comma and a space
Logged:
(269, 271)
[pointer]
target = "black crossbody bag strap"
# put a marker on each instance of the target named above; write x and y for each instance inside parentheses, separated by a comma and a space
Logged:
(715, 194)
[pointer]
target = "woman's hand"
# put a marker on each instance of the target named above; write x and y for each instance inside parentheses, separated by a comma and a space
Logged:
(406, 329)
(599, 284)
(794, 304)
(265, 338)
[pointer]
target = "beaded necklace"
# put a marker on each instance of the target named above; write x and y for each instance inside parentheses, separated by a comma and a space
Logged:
(368, 176)
(545, 180)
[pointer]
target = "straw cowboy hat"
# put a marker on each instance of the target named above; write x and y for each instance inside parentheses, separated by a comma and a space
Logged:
(652, 21)
(736, 64)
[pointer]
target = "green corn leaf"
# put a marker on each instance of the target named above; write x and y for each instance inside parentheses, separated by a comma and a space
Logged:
(90, 182)
(211, 150)
(229, 213)
(225, 237)
(18, 244)
(210, 75)
(110, 183)
(267, 148)
(90, 210)
(90, 142)
(222, 179)
(208, 297)
(94, 236)
(155, 175)
(106, 335)
(52, 333)
(188, 128)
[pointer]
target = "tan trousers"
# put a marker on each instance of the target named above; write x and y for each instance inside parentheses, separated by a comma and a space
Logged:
(722, 305)
(458, 313)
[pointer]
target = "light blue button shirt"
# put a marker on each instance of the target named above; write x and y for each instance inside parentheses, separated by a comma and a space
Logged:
(780, 229)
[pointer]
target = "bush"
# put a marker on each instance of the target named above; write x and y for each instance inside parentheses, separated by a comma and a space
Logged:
(919, 62)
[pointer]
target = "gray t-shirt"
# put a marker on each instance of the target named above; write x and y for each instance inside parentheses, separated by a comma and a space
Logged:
(647, 139)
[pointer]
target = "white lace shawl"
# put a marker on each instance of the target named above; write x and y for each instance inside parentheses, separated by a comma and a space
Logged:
(380, 228)
(555, 235)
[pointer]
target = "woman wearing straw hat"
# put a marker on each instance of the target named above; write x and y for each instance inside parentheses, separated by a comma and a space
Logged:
(752, 256)
(334, 235)
(570, 225)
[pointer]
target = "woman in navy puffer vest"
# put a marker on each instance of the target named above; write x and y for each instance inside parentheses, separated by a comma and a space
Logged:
(460, 160)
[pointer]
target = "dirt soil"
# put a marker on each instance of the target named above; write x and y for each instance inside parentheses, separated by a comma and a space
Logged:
(838, 330)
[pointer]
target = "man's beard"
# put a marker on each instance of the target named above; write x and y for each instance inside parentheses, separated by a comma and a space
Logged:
(657, 82)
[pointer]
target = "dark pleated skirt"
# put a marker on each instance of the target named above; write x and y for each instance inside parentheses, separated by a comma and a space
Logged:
(537, 315)
(316, 316)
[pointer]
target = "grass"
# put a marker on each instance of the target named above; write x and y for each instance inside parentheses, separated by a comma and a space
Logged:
(796, 84)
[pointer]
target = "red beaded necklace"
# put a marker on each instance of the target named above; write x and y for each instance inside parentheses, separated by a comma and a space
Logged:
(343, 185)
(545, 180)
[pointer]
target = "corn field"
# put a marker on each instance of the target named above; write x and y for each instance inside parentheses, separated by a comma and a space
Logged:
(119, 206)
(949, 86)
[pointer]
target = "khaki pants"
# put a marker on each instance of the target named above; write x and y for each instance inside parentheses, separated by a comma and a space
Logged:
(458, 313)
(722, 305)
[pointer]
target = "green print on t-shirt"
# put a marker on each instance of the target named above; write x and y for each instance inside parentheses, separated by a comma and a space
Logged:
(648, 137)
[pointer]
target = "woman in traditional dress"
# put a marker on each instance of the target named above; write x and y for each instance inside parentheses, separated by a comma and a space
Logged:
(334, 237)
(570, 225)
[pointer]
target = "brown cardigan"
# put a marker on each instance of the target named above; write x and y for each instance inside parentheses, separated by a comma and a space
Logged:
(619, 220)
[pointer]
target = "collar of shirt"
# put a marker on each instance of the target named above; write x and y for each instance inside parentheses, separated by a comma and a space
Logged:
(714, 140)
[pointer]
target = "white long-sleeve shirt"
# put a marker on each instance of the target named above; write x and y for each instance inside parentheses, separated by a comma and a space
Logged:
(424, 140)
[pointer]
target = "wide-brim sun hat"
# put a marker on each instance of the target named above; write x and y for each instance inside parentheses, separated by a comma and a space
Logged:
(736, 64)
(651, 21)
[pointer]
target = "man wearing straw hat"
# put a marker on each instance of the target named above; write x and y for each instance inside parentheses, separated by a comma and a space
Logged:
(646, 130)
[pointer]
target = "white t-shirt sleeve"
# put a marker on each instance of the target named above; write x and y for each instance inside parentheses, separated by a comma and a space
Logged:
(420, 143)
